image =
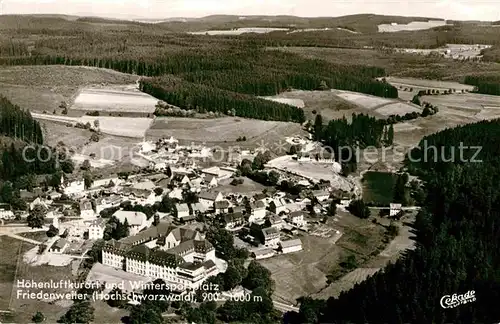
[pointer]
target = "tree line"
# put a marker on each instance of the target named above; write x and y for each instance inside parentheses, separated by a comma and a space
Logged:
(457, 238)
(485, 84)
(201, 98)
(18, 123)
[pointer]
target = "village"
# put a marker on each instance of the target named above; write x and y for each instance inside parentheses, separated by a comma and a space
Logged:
(154, 221)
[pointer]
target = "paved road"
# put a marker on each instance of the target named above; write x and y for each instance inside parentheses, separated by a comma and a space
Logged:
(410, 208)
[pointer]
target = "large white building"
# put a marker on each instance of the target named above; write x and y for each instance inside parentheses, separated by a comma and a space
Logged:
(96, 229)
(173, 254)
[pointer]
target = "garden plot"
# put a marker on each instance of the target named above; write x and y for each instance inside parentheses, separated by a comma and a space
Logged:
(109, 100)
(398, 108)
(363, 100)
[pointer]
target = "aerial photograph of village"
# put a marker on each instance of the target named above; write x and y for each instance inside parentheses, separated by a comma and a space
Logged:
(261, 162)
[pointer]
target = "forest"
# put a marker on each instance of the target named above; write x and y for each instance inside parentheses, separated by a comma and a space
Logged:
(23, 155)
(485, 84)
(187, 95)
(17, 123)
(457, 238)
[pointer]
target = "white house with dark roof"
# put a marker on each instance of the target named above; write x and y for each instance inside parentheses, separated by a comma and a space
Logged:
(208, 198)
(86, 210)
(297, 218)
(321, 195)
(182, 211)
(394, 209)
(290, 246)
(136, 220)
(271, 237)
(211, 181)
(96, 228)
(258, 212)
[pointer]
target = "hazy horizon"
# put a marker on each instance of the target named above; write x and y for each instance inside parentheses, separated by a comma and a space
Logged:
(164, 9)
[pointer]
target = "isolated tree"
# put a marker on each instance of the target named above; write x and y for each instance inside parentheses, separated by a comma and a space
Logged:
(258, 276)
(390, 135)
(87, 180)
(158, 191)
(332, 209)
(232, 278)
(79, 312)
(96, 123)
(294, 149)
(156, 219)
(94, 137)
(38, 318)
(359, 209)
(168, 172)
(318, 127)
(416, 100)
(36, 216)
(53, 231)
(273, 177)
(85, 165)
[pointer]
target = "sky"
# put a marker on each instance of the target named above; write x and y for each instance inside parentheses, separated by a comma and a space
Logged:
(487, 10)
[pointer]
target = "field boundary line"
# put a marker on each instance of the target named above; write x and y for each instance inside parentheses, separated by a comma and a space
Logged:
(15, 274)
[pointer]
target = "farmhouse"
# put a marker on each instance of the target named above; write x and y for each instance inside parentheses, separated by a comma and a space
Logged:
(59, 246)
(211, 181)
(321, 195)
(234, 220)
(136, 220)
(208, 198)
(297, 218)
(291, 246)
(271, 237)
(263, 253)
(179, 256)
(221, 207)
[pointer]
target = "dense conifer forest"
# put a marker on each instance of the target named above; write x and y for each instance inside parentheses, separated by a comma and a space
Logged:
(245, 70)
(485, 84)
(23, 155)
(16, 123)
(457, 235)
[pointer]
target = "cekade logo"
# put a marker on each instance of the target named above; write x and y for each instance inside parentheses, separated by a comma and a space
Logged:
(455, 300)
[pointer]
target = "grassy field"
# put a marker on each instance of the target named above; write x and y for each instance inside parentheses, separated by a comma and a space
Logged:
(326, 103)
(40, 88)
(114, 100)
(378, 187)
(306, 272)
(223, 131)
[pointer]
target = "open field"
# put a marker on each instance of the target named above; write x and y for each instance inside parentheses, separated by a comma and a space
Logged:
(414, 25)
(247, 187)
(118, 126)
(239, 31)
(310, 170)
(421, 84)
(110, 100)
(390, 253)
(378, 187)
(305, 273)
(223, 131)
(380, 106)
(42, 88)
(326, 103)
